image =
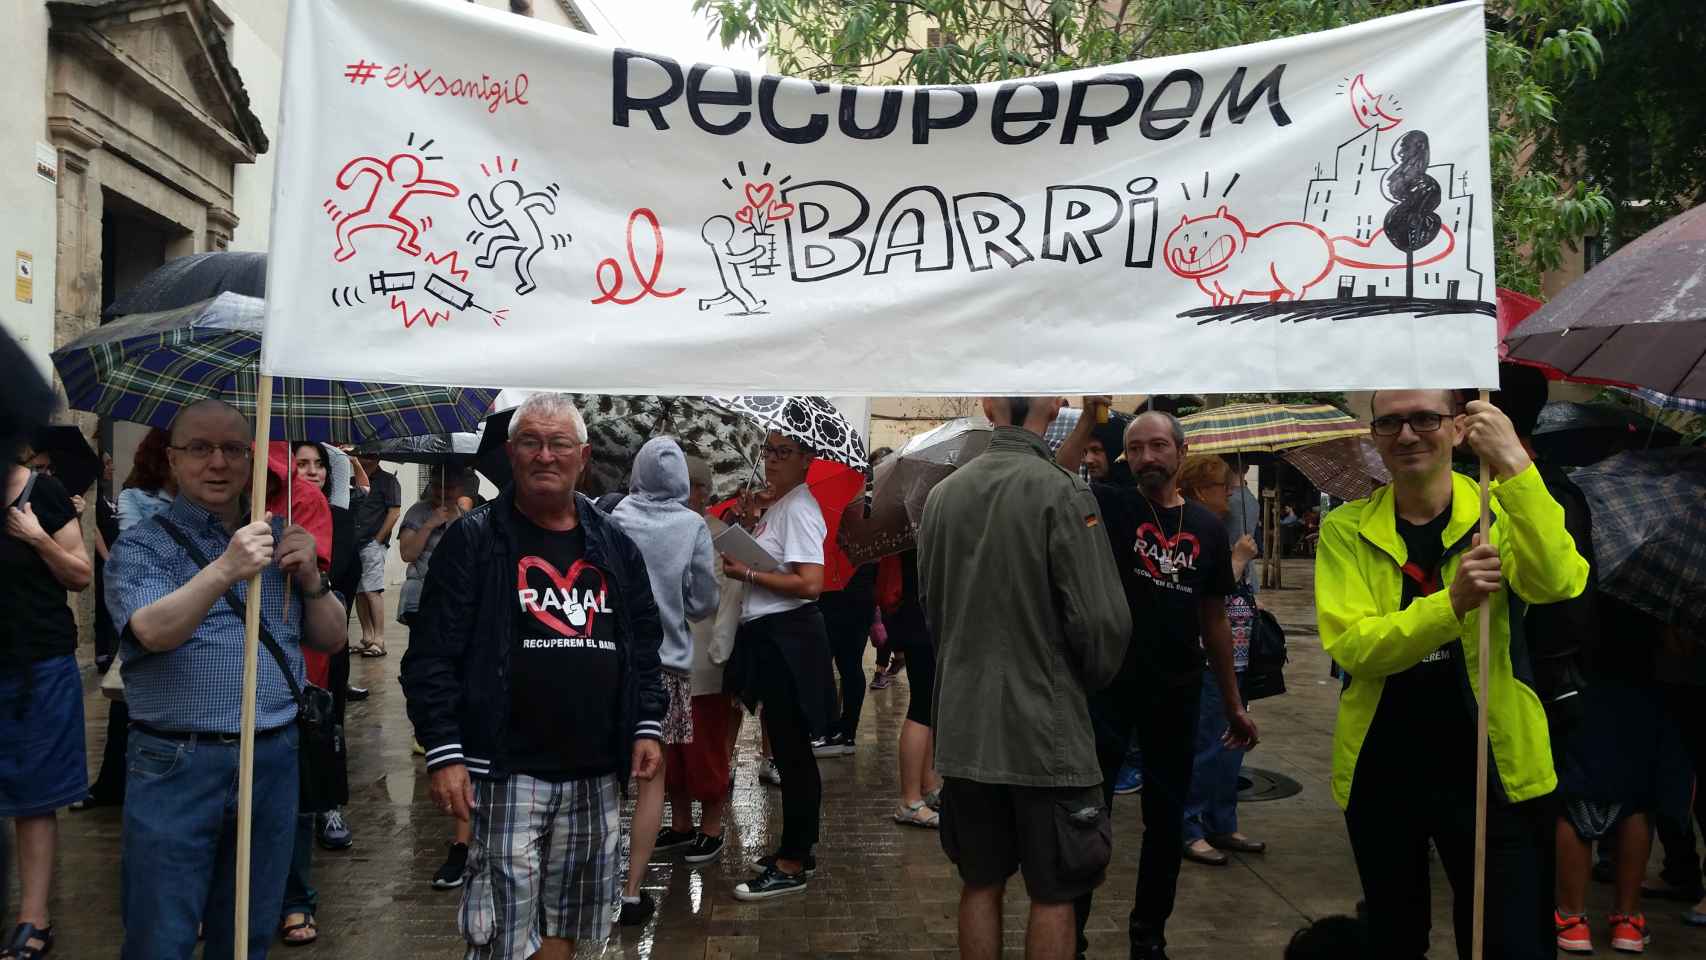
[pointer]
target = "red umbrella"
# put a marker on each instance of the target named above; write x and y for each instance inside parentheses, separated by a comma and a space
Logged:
(1514, 308)
(834, 485)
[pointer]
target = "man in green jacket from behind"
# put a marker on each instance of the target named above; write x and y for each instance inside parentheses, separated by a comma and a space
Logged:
(1399, 580)
(1028, 616)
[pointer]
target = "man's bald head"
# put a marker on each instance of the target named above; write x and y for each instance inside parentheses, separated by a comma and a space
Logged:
(211, 411)
(1149, 418)
(210, 454)
(1448, 399)
(1155, 450)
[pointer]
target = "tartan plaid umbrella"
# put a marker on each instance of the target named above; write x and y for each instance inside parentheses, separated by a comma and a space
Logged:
(145, 367)
(1267, 427)
(1665, 401)
(1649, 531)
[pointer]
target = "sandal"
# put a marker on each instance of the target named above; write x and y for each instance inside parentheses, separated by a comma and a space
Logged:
(917, 815)
(286, 930)
(19, 946)
(372, 651)
(934, 799)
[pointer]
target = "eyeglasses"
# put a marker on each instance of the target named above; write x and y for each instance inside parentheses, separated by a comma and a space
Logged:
(777, 453)
(1422, 421)
(202, 450)
(528, 445)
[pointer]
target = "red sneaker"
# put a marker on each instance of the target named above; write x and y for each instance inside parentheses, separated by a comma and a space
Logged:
(1573, 933)
(1629, 933)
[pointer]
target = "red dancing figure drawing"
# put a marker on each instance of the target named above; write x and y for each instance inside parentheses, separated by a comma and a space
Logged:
(394, 183)
(508, 212)
(717, 232)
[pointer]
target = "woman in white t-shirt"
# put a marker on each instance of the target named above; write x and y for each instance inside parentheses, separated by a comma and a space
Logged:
(782, 659)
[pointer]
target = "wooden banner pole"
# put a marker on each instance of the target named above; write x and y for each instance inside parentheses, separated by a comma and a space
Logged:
(1485, 622)
(251, 647)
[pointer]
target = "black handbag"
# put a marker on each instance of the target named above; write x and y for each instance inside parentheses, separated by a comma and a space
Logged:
(322, 771)
(1265, 675)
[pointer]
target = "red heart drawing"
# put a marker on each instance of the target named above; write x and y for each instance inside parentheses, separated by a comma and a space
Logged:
(1158, 540)
(759, 196)
(780, 210)
(564, 584)
(744, 215)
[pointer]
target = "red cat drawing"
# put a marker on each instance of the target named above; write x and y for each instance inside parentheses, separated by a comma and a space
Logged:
(1232, 263)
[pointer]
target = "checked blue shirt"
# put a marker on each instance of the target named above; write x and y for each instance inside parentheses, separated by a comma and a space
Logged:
(198, 687)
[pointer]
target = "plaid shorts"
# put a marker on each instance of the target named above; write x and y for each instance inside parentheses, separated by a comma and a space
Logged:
(543, 863)
(678, 721)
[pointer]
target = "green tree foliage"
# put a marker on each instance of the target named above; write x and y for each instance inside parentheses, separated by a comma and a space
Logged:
(1536, 50)
(1638, 129)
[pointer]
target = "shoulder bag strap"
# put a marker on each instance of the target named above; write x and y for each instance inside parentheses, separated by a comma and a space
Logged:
(235, 604)
(29, 487)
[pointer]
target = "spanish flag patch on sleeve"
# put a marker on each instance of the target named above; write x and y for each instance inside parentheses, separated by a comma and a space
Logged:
(1091, 520)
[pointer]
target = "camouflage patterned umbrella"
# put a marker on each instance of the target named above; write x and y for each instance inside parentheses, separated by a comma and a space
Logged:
(618, 426)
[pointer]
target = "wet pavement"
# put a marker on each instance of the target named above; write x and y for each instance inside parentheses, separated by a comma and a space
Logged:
(882, 889)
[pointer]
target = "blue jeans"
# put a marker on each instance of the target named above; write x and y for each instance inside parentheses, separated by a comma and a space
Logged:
(1211, 806)
(299, 893)
(180, 837)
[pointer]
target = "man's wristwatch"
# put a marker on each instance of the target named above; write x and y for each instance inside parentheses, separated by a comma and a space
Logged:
(325, 588)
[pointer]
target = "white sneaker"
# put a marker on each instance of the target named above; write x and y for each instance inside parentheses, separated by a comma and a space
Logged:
(767, 772)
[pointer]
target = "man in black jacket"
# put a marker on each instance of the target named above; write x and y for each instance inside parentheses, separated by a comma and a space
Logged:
(533, 680)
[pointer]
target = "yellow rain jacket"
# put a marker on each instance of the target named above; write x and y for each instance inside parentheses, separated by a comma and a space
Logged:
(1358, 589)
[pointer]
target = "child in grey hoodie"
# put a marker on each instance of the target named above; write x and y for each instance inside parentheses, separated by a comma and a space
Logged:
(676, 545)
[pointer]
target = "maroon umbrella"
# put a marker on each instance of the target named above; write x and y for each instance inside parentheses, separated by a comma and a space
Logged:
(1637, 320)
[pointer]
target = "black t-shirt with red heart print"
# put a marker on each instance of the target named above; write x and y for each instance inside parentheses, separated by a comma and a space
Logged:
(1169, 559)
(565, 675)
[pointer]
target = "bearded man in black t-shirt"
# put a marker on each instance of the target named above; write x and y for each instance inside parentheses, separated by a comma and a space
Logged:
(1175, 564)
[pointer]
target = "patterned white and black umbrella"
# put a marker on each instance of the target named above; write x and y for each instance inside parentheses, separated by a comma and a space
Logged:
(813, 421)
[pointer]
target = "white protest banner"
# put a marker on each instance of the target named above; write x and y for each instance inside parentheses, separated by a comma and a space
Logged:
(465, 196)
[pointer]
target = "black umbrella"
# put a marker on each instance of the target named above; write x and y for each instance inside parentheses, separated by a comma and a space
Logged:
(26, 400)
(1638, 319)
(76, 465)
(439, 449)
(192, 279)
(1577, 434)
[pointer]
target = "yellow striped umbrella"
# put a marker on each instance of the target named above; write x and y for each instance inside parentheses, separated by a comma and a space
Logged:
(1268, 427)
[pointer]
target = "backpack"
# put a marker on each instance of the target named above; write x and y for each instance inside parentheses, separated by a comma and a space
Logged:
(1265, 675)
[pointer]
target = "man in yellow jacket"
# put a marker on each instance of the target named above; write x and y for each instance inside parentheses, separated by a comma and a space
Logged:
(1399, 579)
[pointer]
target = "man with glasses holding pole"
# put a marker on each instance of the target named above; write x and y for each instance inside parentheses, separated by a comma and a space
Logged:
(182, 641)
(1399, 580)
